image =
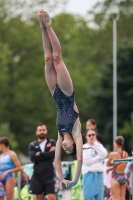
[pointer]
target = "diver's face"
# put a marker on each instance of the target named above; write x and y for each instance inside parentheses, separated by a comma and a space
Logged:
(67, 145)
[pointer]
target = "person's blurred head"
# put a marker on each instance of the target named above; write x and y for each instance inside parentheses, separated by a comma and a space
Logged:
(41, 131)
(90, 136)
(119, 143)
(91, 124)
(4, 143)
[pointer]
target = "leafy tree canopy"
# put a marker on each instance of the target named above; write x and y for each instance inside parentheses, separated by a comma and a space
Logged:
(25, 99)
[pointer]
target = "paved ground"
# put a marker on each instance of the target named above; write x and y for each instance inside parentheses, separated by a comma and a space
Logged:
(67, 194)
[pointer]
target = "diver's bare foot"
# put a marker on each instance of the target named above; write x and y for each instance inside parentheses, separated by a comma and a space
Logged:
(46, 19)
(40, 18)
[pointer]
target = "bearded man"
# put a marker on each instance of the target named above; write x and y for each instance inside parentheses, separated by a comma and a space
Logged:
(42, 152)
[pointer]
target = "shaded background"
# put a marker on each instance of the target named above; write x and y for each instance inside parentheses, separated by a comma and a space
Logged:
(86, 42)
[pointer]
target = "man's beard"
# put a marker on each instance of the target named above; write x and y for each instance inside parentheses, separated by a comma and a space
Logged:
(42, 136)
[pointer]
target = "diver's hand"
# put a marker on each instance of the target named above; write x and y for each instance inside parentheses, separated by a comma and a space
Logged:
(71, 184)
(66, 182)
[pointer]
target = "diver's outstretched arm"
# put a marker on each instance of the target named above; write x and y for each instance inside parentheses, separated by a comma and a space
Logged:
(79, 150)
(76, 133)
(58, 160)
(58, 150)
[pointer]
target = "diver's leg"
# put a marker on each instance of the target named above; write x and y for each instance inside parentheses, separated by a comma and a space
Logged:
(50, 73)
(63, 78)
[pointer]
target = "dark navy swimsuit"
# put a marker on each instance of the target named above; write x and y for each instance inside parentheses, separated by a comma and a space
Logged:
(66, 115)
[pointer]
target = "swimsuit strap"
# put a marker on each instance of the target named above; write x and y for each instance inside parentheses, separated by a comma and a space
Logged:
(120, 154)
(9, 152)
(125, 155)
(121, 157)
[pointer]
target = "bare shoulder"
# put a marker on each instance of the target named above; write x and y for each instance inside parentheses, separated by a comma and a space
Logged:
(115, 155)
(112, 154)
(13, 154)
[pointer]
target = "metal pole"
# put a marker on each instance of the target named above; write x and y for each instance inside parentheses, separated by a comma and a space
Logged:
(114, 78)
(19, 185)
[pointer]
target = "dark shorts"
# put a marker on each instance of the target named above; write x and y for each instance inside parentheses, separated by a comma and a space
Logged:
(42, 185)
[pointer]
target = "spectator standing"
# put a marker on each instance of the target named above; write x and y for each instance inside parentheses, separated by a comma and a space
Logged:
(91, 124)
(42, 152)
(92, 169)
(9, 164)
(118, 181)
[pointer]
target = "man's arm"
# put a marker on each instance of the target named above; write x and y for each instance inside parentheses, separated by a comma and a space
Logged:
(51, 152)
(33, 154)
(40, 156)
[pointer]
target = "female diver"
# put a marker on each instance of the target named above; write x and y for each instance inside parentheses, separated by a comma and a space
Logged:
(61, 88)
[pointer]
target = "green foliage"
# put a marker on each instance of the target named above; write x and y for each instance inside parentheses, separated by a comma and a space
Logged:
(27, 9)
(127, 132)
(25, 99)
(103, 10)
(103, 96)
(5, 132)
